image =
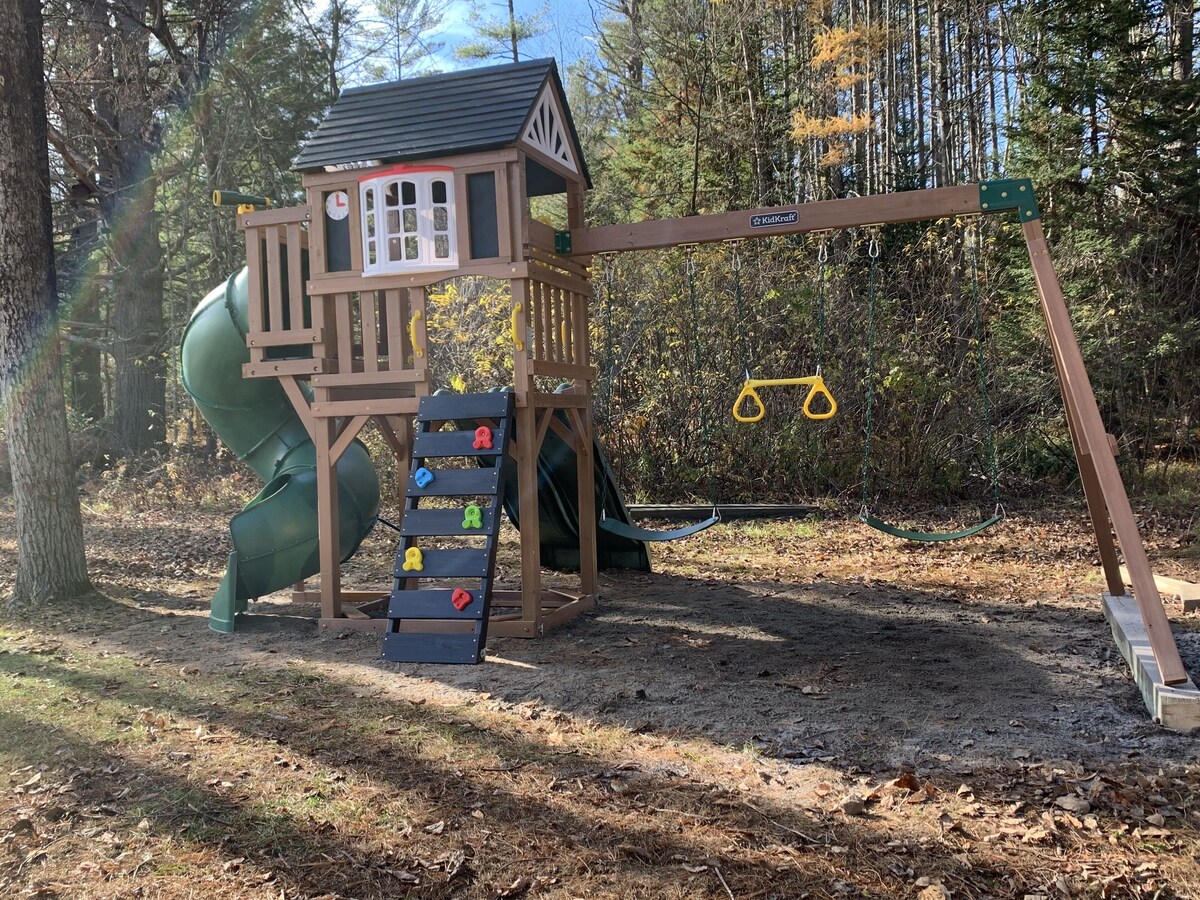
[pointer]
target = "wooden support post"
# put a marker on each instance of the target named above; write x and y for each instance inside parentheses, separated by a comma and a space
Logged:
(581, 419)
(1094, 444)
(327, 519)
(531, 546)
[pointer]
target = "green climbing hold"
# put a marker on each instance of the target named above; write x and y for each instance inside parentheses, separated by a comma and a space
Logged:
(472, 517)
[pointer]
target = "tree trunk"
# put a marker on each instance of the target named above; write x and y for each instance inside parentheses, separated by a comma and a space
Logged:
(76, 279)
(50, 558)
(139, 399)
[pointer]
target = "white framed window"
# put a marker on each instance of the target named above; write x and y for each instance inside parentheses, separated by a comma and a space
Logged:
(408, 220)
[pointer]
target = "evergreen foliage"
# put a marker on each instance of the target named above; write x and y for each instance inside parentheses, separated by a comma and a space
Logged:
(694, 107)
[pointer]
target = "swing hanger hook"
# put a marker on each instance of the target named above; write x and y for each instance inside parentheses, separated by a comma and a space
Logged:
(823, 249)
(873, 246)
(608, 267)
(735, 259)
(689, 252)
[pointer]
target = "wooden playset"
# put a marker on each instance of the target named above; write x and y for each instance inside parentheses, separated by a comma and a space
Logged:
(415, 182)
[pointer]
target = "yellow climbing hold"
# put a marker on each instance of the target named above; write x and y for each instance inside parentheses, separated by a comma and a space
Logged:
(414, 561)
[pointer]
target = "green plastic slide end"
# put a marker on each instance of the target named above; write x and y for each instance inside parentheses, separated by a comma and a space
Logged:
(1009, 193)
(225, 606)
(562, 242)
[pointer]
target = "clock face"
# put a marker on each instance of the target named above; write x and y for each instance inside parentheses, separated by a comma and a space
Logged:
(337, 206)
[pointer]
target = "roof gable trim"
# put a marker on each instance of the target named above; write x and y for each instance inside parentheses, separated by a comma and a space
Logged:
(546, 129)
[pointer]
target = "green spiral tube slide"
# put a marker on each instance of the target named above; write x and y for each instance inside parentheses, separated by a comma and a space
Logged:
(275, 536)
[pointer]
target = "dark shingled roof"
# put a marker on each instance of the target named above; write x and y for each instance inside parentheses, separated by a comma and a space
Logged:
(427, 118)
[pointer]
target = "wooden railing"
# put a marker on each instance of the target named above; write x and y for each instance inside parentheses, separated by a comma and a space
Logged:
(360, 338)
(374, 337)
(557, 318)
(285, 328)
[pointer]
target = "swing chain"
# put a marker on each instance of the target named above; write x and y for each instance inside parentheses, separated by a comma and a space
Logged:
(706, 442)
(869, 379)
(608, 271)
(735, 267)
(822, 259)
(985, 405)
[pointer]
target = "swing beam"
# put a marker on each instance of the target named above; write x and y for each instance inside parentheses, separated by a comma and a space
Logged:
(1108, 503)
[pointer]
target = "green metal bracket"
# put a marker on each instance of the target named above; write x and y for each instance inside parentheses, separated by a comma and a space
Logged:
(1009, 193)
(562, 242)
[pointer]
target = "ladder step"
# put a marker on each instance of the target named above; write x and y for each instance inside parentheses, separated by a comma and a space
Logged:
(430, 444)
(447, 564)
(432, 648)
(434, 604)
(444, 407)
(457, 483)
(447, 522)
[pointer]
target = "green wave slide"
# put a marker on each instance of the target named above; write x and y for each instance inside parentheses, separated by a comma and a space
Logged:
(275, 536)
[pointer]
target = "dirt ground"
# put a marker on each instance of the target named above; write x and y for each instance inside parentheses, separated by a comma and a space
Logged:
(783, 709)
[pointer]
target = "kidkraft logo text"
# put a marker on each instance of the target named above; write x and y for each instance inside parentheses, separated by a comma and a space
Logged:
(783, 218)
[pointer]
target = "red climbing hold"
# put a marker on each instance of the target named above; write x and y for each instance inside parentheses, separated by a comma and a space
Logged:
(461, 599)
(483, 438)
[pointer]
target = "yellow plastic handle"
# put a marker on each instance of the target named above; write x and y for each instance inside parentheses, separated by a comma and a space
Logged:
(748, 393)
(816, 388)
(412, 334)
(512, 328)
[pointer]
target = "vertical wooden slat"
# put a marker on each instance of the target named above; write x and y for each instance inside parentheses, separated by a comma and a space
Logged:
(356, 240)
(295, 283)
(537, 314)
(1094, 442)
(318, 304)
(461, 219)
(516, 193)
(345, 333)
(370, 334)
(559, 320)
(317, 264)
(503, 216)
(547, 311)
(274, 279)
(417, 304)
(407, 357)
(583, 353)
(568, 326)
(394, 321)
(254, 287)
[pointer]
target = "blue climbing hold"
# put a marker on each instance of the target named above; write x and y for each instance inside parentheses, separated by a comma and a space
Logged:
(422, 477)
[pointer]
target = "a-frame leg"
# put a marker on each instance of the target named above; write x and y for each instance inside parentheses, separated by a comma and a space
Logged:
(1101, 524)
(1093, 446)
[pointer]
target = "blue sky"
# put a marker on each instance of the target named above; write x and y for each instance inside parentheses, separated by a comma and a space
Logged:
(567, 39)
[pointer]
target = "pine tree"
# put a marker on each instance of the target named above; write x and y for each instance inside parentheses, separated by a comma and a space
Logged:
(50, 557)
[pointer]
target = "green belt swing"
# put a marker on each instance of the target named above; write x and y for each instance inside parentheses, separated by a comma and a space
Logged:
(635, 532)
(869, 430)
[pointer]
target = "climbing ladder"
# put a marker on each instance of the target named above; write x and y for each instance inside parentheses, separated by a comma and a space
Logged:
(448, 624)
